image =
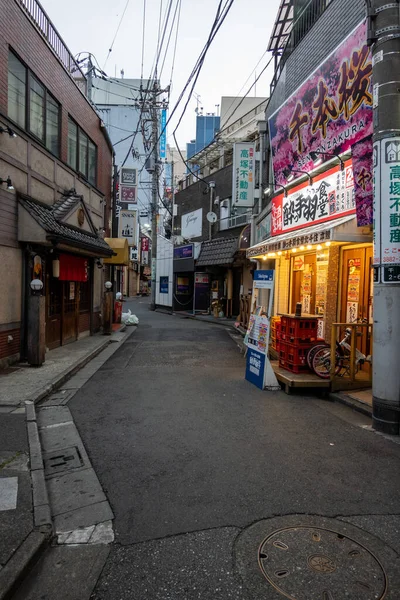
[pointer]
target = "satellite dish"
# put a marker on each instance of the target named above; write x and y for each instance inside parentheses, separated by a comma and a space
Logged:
(211, 217)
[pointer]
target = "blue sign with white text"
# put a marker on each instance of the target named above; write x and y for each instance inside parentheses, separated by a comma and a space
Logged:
(265, 275)
(183, 251)
(163, 135)
(164, 284)
(255, 367)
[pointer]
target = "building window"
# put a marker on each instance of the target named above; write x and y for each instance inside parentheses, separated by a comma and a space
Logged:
(52, 125)
(16, 90)
(36, 108)
(31, 106)
(82, 152)
(72, 144)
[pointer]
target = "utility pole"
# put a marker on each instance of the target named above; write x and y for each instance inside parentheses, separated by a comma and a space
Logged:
(211, 185)
(154, 194)
(384, 32)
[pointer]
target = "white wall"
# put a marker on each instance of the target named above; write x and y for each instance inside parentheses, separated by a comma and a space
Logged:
(165, 252)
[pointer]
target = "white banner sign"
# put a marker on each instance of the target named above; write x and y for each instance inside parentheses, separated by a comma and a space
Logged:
(390, 201)
(191, 224)
(127, 226)
(243, 174)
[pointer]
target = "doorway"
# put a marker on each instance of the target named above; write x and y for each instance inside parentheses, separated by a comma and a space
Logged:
(357, 290)
(304, 268)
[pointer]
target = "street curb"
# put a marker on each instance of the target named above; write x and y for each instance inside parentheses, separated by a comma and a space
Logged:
(41, 504)
(16, 569)
(351, 403)
(68, 373)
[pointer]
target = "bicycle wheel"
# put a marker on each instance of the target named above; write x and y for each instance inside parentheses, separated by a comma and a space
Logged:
(312, 352)
(321, 363)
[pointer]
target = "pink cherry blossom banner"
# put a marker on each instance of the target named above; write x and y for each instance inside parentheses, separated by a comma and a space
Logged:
(329, 112)
(361, 154)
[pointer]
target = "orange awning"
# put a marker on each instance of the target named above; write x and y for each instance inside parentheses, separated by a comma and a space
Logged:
(121, 252)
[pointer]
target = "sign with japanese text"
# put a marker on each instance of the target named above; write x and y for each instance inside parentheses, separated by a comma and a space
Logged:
(163, 134)
(362, 159)
(128, 176)
(243, 174)
(377, 204)
(127, 226)
(255, 368)
(390, 202)
(183, 251)
(329, 112)
(330, 196)
(257, 333)
(145, 244)
(128, 194)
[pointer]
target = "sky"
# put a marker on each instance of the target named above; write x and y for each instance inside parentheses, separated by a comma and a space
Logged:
(91, 25)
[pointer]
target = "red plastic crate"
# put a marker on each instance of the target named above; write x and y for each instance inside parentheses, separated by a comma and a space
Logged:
(294, 368)
(293, 354)
(299, 330)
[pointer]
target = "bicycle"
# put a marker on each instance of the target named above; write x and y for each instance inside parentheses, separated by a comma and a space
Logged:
(319, 357)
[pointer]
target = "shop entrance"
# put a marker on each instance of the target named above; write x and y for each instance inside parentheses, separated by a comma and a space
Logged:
(304, 282)
(357, 289)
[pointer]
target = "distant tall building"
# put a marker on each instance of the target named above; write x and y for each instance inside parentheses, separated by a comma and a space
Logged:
(206, 128)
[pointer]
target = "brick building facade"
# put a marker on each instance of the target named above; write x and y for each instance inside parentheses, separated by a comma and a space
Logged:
(60, 168)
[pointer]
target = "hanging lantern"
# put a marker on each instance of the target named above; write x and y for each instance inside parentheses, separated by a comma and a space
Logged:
(56, 268)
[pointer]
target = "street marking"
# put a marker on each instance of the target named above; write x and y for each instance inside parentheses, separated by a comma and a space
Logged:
(8, 493)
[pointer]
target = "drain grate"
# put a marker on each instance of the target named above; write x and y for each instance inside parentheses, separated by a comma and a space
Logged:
(62, 460)
(307, 563)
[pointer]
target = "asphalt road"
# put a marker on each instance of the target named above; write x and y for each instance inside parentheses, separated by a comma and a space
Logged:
(189, 454)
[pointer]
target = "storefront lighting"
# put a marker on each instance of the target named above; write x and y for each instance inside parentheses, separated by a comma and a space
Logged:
(327, 244)
(294, 249)
(36, 285)
(302, 247)
(279, 253)
(108, 285)
(271, 187)
(271, 254)
(8, 130)
(289, 174)
(309, 247)
(265, 257)
(319, 247)
(8, 182)
(317, 157)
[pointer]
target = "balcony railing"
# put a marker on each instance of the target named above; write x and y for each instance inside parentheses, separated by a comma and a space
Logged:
(304, 19)
(234, 221)
(40, 19)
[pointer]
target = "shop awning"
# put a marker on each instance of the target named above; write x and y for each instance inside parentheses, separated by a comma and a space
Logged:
(220, 251)
(121, 252)
(341, 230)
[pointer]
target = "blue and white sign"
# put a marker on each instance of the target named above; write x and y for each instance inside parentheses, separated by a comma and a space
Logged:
(163, 135)
(164, 284)
(262, 279)
(183, 251)
(255, 367)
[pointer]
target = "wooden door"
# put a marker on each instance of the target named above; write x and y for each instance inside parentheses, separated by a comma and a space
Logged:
(69, 313)
(53, 312)
(304, 284)
(357, 290)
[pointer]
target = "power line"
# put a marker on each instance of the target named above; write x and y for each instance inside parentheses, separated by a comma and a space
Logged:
(143, 36)
(116, 33)
(178, 4)
(176, 41)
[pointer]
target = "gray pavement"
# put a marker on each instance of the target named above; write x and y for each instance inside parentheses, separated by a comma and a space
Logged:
(196, 464)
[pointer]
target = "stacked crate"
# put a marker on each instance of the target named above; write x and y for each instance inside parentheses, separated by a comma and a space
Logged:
(298, 335)
(275, 333)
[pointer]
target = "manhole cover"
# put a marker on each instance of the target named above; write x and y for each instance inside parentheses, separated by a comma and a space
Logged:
(62, 460)
(306, 563)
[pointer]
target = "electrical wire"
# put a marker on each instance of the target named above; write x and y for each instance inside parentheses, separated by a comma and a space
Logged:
(116, 33)
(176, 42)
(178, 4)
(143, 36)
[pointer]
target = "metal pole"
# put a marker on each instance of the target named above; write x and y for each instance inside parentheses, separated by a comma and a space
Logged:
(211, 186)
(154, 197)
(384, 31)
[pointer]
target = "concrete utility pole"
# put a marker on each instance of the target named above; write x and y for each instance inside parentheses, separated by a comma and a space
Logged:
(154, 194)
(384, 32)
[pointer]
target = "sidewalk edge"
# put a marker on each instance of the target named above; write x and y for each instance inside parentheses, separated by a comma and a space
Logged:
(26, 555)
(40, 498)
(351, 403)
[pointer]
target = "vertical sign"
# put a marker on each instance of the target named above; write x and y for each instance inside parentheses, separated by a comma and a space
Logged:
(128, 185)
(243, 174)
(390, 208)
(127, 225)
(163, 134)
(377, 204)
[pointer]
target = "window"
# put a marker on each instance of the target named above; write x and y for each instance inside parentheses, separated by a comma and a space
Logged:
(16, 90)
(36, 108)
(31, 106)
(82, 152)
(52, 125)
(72, 144)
